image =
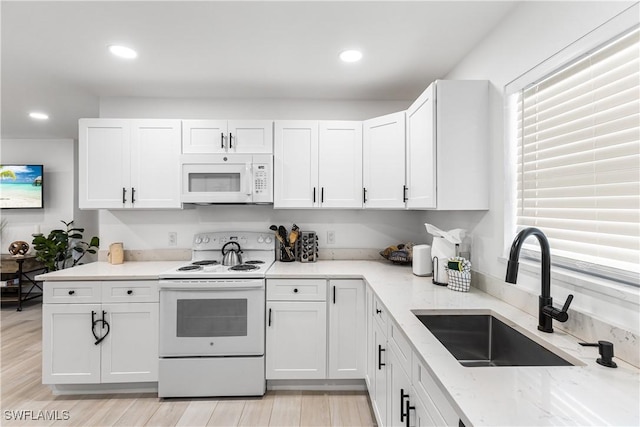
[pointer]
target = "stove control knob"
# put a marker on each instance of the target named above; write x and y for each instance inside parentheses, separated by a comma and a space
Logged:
(260, 239)
(198, 240)
(206, 240)
(268, 239)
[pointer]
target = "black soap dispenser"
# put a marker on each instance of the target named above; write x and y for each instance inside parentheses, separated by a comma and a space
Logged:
(606, 352)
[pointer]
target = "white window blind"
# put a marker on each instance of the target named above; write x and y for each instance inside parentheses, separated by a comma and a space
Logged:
(579, 158)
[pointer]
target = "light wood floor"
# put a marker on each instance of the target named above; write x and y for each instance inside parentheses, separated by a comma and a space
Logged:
(21, 390)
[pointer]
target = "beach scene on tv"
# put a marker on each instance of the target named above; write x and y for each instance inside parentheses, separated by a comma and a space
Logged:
(21, 186)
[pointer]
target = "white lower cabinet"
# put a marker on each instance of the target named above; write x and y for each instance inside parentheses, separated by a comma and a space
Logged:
(99, 341)
(296, 340)
(315, 331)
(401, 389)
(346, 329)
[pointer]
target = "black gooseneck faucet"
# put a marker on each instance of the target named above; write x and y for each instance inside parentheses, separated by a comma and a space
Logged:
(546, 311)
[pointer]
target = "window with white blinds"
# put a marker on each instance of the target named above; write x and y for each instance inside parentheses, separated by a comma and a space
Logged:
(579, 159)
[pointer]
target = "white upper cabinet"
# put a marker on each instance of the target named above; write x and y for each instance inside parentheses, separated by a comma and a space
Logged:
(222, 136)
(447, 145)
(318, 164)
(295, 183)
(129, 164)
(384, 162)
(340, 164)
(421, 152)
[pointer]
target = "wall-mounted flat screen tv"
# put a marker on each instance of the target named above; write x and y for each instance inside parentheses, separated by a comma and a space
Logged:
(21, 187)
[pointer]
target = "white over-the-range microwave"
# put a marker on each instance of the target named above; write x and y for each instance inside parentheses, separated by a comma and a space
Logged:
(227, 178)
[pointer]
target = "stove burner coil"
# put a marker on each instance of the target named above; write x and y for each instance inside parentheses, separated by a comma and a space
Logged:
(190, 268)
(205, 262)
(244, 267)
(254, 262)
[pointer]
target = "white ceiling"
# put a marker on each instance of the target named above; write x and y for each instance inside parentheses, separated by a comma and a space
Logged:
(55, 57)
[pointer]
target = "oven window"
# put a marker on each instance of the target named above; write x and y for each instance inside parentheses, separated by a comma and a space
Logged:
(214, 182)
(212, 318)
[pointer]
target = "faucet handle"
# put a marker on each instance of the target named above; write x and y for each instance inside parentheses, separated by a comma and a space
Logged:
(559, 315)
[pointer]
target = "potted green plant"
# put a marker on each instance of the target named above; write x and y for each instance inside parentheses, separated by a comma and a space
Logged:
(63, 248)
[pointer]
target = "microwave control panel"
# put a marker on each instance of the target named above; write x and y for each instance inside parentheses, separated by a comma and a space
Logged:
(262, 182)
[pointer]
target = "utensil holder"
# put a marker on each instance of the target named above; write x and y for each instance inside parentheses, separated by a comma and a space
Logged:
(286, 256)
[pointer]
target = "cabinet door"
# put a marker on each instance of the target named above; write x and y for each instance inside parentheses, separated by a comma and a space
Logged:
(346, 329)
(69, 355)
(421, 151)
(379, 400)
(384, 162)
(130, 350)
(296, 340)
(340, 164)
(400, 392)
(296, 164)
(250, 136)
(370, 354)
(155, 163)
(104, 164)
(204, 136)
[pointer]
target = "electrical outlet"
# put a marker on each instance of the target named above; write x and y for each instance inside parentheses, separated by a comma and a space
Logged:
(331, 237)
(173, 238)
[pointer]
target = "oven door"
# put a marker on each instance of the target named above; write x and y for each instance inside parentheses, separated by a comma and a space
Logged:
(212, 178)
(212, 318)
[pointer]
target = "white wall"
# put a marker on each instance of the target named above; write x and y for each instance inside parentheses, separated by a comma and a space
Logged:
(531, 33)
(140, 230)
(58, 156)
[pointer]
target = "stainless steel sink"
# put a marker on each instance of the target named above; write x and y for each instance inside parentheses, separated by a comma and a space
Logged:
(484, 340)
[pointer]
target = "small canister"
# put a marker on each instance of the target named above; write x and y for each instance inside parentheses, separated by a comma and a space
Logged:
(422, 265)
(116, 253)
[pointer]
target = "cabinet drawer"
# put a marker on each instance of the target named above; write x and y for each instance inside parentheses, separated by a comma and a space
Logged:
(135, 291)
(380, 313)
(435, 402)
(400, 346)
(296, 289)
(71, 292)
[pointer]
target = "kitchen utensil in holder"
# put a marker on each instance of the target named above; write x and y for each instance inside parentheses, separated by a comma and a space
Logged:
(286, 253)
(306, 249)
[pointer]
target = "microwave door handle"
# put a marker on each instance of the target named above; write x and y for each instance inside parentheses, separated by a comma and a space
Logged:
(249, 179)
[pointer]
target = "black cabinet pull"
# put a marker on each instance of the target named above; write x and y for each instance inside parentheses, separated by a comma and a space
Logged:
(72, 292)
(221, 139)
(380, 364)
(230, 140)
(129, 292)
(403, 396)
(269, 317)
(404, 193)
(295, 290)
(133, 195)
(322, 195)
(95, 322)
(364, 195)
(408, 408)
(314, 194)
(334, 294)
(378, 311)
(124, 195)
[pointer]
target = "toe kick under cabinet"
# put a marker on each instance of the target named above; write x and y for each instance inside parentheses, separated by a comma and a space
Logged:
(100, 332)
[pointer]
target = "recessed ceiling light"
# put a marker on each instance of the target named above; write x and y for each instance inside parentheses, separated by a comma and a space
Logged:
(123, 52)
(351, 56)
(38, 116)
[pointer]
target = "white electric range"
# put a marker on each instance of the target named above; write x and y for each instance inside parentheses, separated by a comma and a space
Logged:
(212, 318)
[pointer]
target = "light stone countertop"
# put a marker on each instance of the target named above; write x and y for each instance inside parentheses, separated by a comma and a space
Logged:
(500, 396)
(147, 270)
(496, 396)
